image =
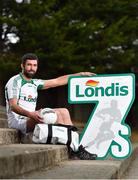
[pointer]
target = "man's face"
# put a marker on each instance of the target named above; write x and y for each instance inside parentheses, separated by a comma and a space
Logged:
(30, 68)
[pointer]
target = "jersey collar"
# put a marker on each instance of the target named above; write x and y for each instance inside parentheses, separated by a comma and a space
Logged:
(24, 80)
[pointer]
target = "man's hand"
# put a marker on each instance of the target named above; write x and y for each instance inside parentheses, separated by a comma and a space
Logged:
(86, 74)
(63, 80)
(35, 115)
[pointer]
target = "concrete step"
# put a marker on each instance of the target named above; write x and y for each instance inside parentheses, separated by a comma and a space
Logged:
(3, 112)
(2, 108)
(132, 172)
(3, 115)
(77, 169)
(82, 169)
(12, 136)
(9, 136)
(17, 159)
(3, 123)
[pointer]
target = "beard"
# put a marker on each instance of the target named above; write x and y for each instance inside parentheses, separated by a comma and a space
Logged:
(29, 74)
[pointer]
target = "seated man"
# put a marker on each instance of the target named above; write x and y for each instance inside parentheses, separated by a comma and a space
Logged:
(21, 93)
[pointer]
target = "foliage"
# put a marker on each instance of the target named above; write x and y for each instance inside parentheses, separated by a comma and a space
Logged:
(70, 36)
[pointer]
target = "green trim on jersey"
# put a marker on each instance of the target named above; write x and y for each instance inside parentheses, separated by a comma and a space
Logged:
(24, 81)
(40, 87)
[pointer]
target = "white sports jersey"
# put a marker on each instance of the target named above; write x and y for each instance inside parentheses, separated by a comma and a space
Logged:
(25, 92)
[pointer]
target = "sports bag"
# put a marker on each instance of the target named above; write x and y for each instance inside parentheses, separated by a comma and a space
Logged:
(56, 134)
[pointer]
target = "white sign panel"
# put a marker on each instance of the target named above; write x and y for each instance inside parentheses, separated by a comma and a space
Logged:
(113, 95)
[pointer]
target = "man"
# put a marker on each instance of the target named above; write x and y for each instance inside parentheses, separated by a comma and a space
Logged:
(21, 96)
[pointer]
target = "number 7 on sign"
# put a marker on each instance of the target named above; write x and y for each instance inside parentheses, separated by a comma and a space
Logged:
(106, 130)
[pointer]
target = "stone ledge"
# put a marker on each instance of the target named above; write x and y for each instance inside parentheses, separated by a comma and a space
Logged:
(82, 169)
(3, 114)
(9, 136)
(17, 159)
(3, 123)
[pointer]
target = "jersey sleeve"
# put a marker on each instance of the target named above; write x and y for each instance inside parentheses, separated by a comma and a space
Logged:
(12, 89)
(39, 83)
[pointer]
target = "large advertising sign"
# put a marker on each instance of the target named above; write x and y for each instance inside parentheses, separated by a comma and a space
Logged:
(106, 131)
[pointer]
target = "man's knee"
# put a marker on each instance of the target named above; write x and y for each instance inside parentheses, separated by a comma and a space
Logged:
(64, 111)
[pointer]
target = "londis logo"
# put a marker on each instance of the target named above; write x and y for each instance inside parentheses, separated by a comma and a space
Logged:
(29, 98)
(93, 88)
(92, 83)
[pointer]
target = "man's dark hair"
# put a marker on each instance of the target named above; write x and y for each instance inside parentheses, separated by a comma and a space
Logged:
(29, 56)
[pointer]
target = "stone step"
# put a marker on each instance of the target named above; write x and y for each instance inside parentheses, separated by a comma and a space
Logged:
(132, 172)
(12, 136)
(2, 108)
(17, 159)
(9, 136)
(3, 115)
(3, 123)
(77, 169)
(82, 169)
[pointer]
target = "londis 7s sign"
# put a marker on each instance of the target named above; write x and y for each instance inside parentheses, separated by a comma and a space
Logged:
(106, 131)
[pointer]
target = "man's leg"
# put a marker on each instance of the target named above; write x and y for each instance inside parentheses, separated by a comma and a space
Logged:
(30, 125)
(63, 116)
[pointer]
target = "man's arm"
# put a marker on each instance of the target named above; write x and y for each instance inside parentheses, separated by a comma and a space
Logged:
(19, 110)
(63, 80)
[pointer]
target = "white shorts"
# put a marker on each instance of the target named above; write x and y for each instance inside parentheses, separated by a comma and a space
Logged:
(18, 123)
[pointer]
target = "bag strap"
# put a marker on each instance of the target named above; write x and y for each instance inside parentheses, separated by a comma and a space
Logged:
(69, 133)
(71, 127)
(69, 137)
(49, 134)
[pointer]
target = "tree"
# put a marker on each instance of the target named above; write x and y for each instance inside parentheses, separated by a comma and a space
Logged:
(71, 36)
